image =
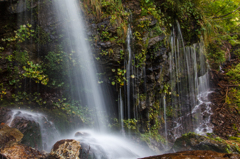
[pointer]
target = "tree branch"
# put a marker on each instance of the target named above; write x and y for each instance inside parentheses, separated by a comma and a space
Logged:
(227, 13)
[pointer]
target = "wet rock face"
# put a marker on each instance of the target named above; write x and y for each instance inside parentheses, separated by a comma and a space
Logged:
(5, 115)
(10, 146)
(65, 149)
(30, 129)
(193, 141)
(195, 155)
(21, 6)
(154, 40)
(9, 136)
(18, 151)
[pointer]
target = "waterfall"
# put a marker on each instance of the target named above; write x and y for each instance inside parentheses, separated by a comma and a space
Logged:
(102, 142)
(70, 18)
(189, 82)
(49, 133)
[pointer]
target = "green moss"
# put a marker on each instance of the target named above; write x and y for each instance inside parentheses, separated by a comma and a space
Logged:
(234, 138)
(215, 54)
(197, 142)
(151, 135)
(237, 52)
(234, 73)
(187, 13)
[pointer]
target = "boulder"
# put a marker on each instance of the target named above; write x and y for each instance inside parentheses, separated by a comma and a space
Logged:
(19, 151)
(195, 155)
(192, 141)
(65, 149)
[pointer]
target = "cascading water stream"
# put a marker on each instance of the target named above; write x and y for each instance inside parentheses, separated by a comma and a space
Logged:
(204, 107)
(189, 86)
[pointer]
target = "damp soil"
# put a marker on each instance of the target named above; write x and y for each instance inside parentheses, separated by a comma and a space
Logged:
(225, 118)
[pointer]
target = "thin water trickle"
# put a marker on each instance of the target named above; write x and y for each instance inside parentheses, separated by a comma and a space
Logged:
(129, 63)
(220, 69)
(120, 112)
(189, 81)
(165, 117)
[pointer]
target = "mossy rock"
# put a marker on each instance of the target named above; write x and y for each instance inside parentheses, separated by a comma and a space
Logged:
(195, 155)
(192, 141)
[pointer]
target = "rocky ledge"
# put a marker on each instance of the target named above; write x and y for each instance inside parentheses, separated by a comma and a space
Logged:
(198, 154)
(192, 141)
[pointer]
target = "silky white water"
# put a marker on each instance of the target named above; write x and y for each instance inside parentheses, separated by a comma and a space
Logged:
(189, 82)
(69, 16)
(110, 146)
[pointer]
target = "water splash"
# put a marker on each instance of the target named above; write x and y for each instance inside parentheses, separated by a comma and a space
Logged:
(111, 146)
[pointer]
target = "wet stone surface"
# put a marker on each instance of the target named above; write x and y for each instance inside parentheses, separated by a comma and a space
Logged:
(195, 155)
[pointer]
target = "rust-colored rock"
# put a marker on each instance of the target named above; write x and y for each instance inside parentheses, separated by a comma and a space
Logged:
(9, 136)
(195, 155)
(10, 147)
(65, 149)
(19, 151)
